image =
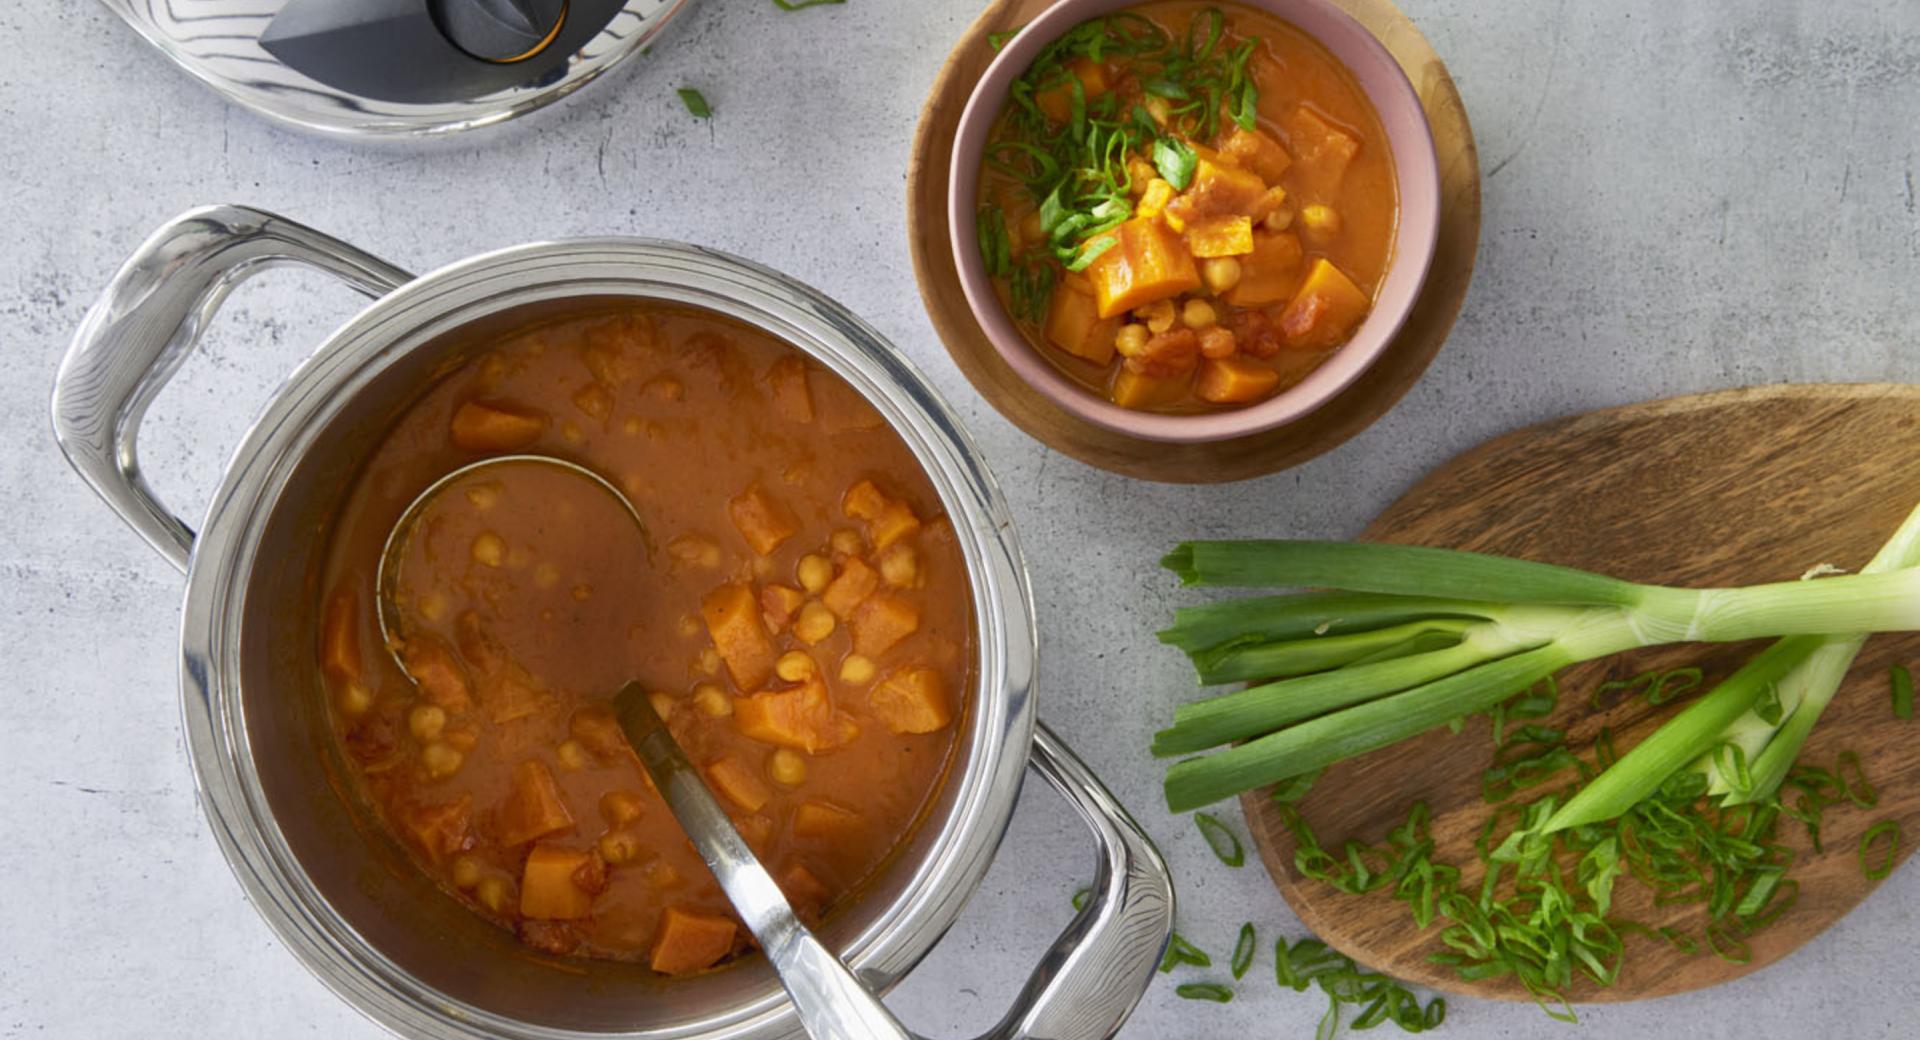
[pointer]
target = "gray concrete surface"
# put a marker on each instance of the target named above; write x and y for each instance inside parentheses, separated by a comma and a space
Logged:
(1679, 197)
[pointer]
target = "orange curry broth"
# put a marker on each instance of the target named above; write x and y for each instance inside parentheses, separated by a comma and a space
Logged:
(1287, 313)
(805, 620)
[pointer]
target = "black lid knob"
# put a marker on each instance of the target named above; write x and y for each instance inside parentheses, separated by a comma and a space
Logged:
(500, 30)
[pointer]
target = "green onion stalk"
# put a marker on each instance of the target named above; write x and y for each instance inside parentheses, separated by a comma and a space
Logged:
(1409, 638)
(1745, 734)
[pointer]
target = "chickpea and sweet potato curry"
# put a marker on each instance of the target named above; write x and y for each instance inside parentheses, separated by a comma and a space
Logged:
(1187, 208)
(797, 605)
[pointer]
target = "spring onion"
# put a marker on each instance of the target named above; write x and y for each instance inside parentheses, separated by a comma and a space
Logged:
(1210, 991)
(1884, 829)
(696, 103)
(1901, 682)
(1242, 951)
(1180, 951)
(1221, 839)
(1454, 633)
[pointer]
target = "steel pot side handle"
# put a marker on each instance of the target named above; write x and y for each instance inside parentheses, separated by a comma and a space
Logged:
(1099, 968)
(145, 324)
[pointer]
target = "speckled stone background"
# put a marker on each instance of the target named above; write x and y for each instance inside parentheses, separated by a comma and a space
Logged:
(1679, 197)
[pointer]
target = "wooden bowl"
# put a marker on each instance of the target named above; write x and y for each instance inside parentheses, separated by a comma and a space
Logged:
(1364, 400)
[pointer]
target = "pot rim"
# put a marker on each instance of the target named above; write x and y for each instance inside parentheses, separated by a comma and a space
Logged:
(354, 356)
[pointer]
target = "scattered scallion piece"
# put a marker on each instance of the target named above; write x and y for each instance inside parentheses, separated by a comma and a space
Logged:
(1221, 839)
(1080, 899)
(1242, 951)
(1210, 991)
(801, 5)
(696, 102)
(1180, 951)
(1890, 830)
(1901, 682)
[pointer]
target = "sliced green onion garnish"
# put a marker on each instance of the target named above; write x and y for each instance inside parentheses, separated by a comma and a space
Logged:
(1901, 681)
(1221, 839)
(1180, 951)
(1890, 830)
(1242, 951)
(696, 102)
(1080, 898)
(1210, 991)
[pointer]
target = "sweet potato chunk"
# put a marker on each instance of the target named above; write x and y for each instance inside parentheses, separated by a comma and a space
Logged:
(888, 519)
(823, 820)
(440, 678)
(340, 638)
(688, 942)
(807, 894)
(882, 622)
(803, 718)
(912, 700)
(1074, 326)
(1057, 101)
(548, 888)
(1220, 236)
(513, 695)
(1269, 273)
(494, 427)
(792, 400)
(733, 620)
(595, 727)
(440, 830)
(851, 587)
(534, 808)
(1217, 191)
(1257, 152)
(1234, 380)
(1132, 390)
(1148, 262)
(1324, 312)
(739, 783)
(761, 519)
(1322, 149)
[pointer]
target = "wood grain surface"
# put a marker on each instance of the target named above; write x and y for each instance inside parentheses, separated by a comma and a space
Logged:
(1727, 488)
(929, 241)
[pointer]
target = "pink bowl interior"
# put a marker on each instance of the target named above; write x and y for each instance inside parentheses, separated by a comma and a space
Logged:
(1416, 232)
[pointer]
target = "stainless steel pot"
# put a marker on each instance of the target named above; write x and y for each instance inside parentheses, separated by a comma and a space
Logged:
(338, 892)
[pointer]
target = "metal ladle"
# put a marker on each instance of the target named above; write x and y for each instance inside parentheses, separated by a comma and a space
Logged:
(831, 1003)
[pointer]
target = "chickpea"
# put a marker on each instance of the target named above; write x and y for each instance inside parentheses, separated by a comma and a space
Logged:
(620, 845)
(794, 666)
(483, 496)
(489, 549)
(1279, 220)
(572, 755)
(815, 622)
(496, 894)
(900, 566)
(712, 700)
(709, 661)
(689, 626)
(848, 542)
(787, 767)
(621, 807)
(466, 872)
(857, 670)
(1159, 315)
(1131, 339)
(426, 722)
(433, 606)
(815, 572)
(663, 703)
(1220, 273)
(441, 759)
(1218, 342)
(572, 432)
(1320, 220)
(1198, 314)
(356, 699)
(545, 575)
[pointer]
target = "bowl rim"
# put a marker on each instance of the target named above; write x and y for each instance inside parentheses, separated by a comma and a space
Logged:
(1416, 175)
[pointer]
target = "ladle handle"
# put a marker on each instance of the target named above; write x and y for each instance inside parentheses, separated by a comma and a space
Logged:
(140, 331)
(831, 1003)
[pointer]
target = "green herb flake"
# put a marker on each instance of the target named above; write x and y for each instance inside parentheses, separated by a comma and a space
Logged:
(1209, 991)
(1221, 839)
(696, 102)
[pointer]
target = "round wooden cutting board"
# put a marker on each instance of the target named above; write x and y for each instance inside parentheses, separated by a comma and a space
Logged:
(929, 240)
(1727, 488)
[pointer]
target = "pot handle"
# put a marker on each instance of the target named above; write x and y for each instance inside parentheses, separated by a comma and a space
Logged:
(1099, 968)
(140, 331)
